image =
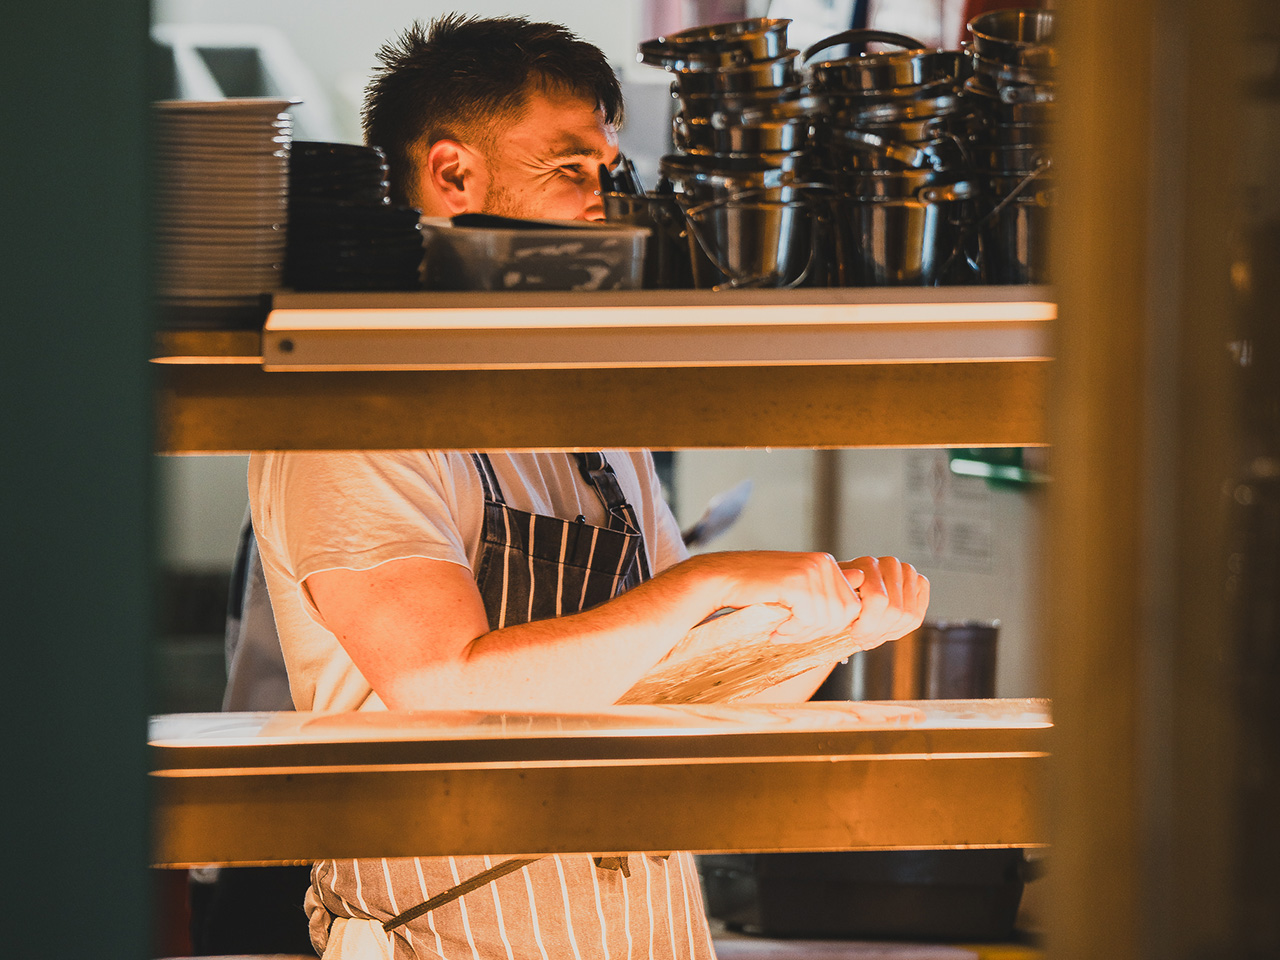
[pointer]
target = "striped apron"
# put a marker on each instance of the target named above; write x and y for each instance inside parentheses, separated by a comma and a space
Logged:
(558, 907)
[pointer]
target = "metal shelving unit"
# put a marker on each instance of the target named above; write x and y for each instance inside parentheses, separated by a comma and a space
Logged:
(665, 370)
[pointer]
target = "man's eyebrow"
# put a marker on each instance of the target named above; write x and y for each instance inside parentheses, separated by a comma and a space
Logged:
(571, 147)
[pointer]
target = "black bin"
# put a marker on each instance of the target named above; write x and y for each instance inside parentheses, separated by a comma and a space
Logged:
(953, 895)
(943, 895)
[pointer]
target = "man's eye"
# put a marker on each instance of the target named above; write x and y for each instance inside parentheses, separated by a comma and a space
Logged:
(573, 171)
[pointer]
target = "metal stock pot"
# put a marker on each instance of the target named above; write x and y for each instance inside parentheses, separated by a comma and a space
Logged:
(719, 45)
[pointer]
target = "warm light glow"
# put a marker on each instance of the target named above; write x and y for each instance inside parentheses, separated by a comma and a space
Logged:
(486, 332)
(565, 317)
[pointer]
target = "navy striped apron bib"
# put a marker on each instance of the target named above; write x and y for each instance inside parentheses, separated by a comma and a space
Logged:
(558, 907)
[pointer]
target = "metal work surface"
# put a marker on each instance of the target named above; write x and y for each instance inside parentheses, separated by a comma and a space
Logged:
(269, 788)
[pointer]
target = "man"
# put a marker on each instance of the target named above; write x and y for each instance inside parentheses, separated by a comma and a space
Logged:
(449, 580)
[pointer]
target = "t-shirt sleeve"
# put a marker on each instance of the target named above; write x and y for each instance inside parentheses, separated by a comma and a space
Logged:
(354, 511)
(668, 548)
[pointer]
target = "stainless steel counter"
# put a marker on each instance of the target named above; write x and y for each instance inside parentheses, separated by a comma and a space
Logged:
(274, 788)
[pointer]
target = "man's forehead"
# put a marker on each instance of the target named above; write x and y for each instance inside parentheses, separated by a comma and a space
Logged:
(560, 124)
(568, 145)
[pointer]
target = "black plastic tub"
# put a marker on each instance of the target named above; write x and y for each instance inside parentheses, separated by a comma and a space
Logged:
(939, 895)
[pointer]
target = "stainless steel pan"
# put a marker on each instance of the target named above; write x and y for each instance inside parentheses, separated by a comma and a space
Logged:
(705, 106)
(719, 45)
(699, 136)
(1020, 37)
(747, 78)
(870, 72)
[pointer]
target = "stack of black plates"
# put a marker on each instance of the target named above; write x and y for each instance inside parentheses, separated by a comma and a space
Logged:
(344, 233)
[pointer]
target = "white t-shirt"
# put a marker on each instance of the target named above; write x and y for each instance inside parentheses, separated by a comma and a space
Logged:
(355, 510)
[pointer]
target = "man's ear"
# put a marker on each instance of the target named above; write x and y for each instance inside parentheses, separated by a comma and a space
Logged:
(455, 176)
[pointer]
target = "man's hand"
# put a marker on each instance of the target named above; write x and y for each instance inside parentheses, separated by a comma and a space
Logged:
(811, 588)
(894, 599)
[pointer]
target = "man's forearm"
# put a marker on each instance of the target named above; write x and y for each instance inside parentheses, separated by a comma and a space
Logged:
(586, 659)
(592, 658)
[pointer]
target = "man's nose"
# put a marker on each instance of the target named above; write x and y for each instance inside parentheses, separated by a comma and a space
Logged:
(593, 204)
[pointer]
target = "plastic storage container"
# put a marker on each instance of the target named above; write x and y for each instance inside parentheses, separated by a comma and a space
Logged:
(480, 252)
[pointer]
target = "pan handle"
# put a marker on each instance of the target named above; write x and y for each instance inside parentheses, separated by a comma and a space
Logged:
(861, 37)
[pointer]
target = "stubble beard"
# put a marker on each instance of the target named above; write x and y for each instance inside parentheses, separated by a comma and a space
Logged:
(499, 201)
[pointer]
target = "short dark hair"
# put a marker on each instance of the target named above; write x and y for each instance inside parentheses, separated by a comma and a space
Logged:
(463, 77)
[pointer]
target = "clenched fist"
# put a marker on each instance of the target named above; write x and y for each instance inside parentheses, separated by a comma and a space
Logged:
(894, 599)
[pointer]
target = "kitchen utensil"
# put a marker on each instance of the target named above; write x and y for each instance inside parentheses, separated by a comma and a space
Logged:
(913, 66)
(861, 36)
(1015, 233)
(605, 179)
(721, 513)
(740, 241)
(704, 106)
(667, 264)
(752, 77)
(759, 38)
(631, 179)
(702, 179)
(875, 151)
(902, 242)
(1016, 36)
(711, 137)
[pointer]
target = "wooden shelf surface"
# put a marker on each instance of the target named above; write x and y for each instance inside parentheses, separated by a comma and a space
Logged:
(657, 369)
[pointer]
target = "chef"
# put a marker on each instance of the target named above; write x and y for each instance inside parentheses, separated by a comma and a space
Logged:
(514, 582)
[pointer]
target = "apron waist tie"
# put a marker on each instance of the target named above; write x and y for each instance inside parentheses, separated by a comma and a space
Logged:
(486, 877)
(461, 890)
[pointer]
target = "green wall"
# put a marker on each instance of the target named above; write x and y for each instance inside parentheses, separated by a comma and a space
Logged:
(77, 538)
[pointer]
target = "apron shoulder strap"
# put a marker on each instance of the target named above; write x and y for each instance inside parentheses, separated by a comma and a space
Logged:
(599, 475)
(488, 479)
(596, 471)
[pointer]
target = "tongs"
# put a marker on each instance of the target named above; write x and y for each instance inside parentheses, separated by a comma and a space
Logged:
(623, 181)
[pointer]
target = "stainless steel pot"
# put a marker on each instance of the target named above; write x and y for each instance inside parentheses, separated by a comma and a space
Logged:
(1010, 158)
(858, 111)
(759, 38)
(709, 178)
(746, 242)
(894, 243)
(1035, 106)
(943, 660)
(705, 137)
(766, 109)
(666, 255)
(862, 150)
(915, 130)
(753, 77)
(913, 67)
(918, 185)
(851, 100)
(1021, 37)
(706, 106)
(1015, 231)
(1012, 134)
(996, 73)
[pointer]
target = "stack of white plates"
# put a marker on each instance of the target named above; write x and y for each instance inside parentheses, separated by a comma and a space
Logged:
(222, 184)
